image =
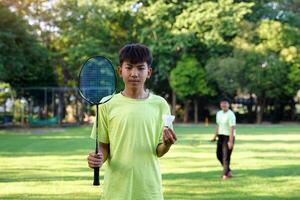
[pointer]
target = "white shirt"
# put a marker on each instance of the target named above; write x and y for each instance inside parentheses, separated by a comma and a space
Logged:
(225, 121)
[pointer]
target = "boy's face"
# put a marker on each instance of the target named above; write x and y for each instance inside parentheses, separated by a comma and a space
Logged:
(224, 105)
(134, 75)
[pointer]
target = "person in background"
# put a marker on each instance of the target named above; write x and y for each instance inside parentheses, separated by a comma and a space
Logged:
(225, 132)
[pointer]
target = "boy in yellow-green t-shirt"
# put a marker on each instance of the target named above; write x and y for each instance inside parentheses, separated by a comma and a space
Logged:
(131, 133)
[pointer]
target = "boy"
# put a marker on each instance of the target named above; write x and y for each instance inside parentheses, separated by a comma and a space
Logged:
(131, 133)
(225, 132)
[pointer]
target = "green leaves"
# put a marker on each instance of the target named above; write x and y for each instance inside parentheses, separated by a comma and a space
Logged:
(227, 73)
(213, 23)
(199, 46)
(23, 60)
(188, 78)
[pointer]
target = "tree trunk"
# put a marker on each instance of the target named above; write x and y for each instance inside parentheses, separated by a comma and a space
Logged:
(77, 111)
(45, 103)
(173, 103)
(196, 111)
(251, 114)
(186, 111)
(61, 107)
(293, 110)
(260, 110)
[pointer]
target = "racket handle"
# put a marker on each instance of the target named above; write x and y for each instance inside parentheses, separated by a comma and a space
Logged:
(96, 176)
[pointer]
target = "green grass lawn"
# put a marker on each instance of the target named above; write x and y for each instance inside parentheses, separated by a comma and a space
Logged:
(51, 164)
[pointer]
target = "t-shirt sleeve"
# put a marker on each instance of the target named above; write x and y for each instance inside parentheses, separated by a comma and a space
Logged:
(102, 126)
(232, 120)
(217, 118)
(165, 111)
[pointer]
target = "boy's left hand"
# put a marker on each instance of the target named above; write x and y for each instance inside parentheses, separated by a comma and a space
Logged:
(230, 145)
(169, 136)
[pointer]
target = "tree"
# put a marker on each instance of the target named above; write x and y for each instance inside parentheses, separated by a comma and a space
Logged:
(23, 60)
(212, 23)
(260, 63)
(188, 81)
(227, 72)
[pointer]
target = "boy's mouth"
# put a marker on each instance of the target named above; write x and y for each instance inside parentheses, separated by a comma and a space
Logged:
(133, 81)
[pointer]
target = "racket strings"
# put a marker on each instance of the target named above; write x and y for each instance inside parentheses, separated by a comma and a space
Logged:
(97, 79)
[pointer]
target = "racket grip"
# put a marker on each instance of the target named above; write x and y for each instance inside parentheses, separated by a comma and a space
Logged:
(96, 176)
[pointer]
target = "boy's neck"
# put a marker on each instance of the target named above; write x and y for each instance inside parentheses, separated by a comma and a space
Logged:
(138, 93)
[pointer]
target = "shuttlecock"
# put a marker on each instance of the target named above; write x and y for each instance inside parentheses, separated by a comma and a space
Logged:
(168, 119)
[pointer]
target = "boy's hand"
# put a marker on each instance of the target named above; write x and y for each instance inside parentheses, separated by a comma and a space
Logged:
(214, 139)
(95, 160)
(230, 145)
(169, 137)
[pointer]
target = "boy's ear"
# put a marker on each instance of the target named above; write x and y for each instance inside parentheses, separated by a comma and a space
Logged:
(149, 72)
(119, 69)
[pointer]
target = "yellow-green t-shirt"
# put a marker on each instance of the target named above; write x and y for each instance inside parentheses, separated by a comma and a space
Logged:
(225, 121)
(133, 128)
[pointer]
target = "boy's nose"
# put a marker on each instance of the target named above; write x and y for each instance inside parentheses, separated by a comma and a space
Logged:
(134, 72)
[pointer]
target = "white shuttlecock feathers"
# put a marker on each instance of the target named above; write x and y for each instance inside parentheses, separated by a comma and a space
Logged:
(168, 119)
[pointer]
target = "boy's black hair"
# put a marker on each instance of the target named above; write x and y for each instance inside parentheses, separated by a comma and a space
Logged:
(135, 53)
(226, 99)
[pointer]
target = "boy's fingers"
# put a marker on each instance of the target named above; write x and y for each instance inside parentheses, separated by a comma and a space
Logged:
(95, 157)
(165, 130)
(93, 163)
(92, 154)
(166, 135)
(164, 138)
(172, 136)
(169, 136)
(95, 160)
(171, 132)
(99, 155)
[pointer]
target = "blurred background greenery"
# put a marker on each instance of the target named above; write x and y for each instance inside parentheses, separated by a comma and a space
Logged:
(203, 49)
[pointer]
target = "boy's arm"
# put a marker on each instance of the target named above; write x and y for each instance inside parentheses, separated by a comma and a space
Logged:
(232, 124)
(216, 134)
(231, 136)
(169, 138)
(217, 128)
(104, 149)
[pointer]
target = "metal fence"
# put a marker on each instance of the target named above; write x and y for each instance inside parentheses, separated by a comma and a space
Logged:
(39, 106)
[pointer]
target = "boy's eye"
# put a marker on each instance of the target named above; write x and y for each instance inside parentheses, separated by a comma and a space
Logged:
(141, 68)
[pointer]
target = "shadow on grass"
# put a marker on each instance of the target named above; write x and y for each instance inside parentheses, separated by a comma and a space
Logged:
(43, 178)
(221, 196)
(20, 145)
(286, 170)
(208, 185)
(258, 141)
(18, 175)
(67, 196)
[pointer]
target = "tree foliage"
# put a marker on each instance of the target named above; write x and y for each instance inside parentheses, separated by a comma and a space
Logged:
(23, 60)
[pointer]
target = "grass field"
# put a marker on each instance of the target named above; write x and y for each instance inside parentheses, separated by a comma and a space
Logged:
(51, 164)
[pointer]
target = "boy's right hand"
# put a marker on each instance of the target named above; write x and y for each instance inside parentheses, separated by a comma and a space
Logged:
(95, 160)
(214, 139)
(169, 136)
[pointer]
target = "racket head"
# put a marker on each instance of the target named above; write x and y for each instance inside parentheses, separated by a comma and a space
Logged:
(97, 79)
